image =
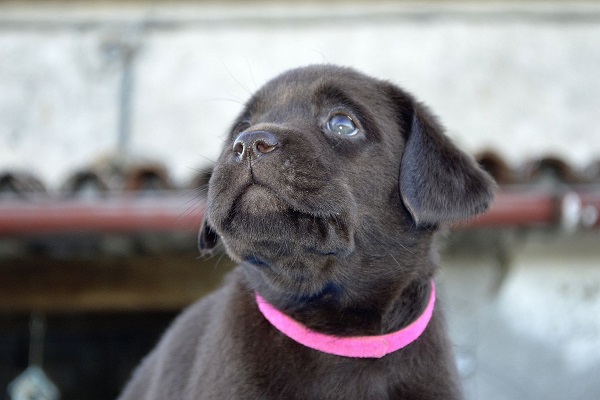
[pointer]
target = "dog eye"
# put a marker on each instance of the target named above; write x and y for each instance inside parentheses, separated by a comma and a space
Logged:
(342, 125)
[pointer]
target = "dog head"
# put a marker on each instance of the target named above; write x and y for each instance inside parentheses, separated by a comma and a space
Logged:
(328, 175)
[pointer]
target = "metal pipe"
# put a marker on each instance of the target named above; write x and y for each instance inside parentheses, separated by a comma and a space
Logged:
(112, 214)
(184, 212)
(518, 209)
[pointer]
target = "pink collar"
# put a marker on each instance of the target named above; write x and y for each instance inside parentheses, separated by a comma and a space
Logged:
(357, 346)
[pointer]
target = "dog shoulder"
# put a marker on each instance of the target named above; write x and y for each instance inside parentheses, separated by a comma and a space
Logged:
(167, 371)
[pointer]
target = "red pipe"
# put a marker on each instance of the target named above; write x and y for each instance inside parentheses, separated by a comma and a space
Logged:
(518, 209)
(174, 213)
(124, 214)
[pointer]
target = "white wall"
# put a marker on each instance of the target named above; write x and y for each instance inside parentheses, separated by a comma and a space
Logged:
(520, 79)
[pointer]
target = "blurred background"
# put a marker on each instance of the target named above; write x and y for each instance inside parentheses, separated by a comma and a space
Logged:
(111, 115)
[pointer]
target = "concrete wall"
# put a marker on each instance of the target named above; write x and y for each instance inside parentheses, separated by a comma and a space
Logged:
(524, 313)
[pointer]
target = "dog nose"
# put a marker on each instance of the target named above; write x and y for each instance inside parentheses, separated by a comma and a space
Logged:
(254, 144)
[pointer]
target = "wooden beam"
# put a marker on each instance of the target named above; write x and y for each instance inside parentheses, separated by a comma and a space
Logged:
(139, 283)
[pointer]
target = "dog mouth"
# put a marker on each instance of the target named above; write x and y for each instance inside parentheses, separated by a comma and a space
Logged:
(259, 220)
(258, 199)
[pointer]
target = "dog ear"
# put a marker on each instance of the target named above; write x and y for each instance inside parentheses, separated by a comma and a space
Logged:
(438, 182)
(207, 238)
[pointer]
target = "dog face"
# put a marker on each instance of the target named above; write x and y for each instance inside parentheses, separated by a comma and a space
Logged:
(325, 173)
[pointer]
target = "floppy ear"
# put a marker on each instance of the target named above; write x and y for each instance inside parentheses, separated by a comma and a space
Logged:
(438, 182)
(207, 238)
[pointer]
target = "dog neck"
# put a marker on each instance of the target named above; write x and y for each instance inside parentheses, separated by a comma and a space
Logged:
(354, 346)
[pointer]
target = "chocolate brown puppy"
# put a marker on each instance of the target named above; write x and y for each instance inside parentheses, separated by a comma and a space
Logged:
(328, 193)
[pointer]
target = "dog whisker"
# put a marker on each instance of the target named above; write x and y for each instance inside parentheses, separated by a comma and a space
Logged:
(212, 161)
(251, 73)
(321, 53)
(216, 266)
(396, 261)
(231, 99)
(244, 87)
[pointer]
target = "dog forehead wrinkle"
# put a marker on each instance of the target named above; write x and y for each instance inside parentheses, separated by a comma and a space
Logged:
(291, 111)
(306, 83)
(278, 92)
(331, 92)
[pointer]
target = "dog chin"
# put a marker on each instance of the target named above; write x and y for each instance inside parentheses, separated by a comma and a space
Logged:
(297, 279)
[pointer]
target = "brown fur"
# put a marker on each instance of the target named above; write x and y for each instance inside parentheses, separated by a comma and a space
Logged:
(336, 232)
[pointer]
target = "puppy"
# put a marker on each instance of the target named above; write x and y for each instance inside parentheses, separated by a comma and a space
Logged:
(328, 193)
